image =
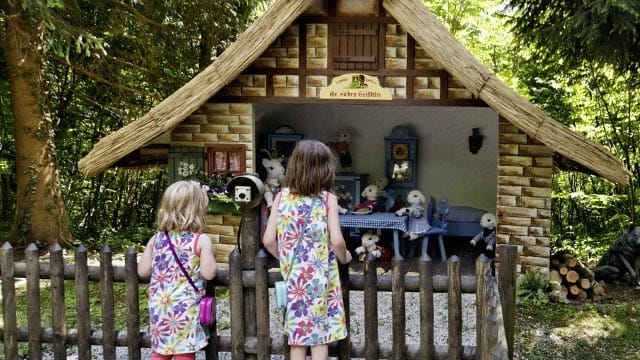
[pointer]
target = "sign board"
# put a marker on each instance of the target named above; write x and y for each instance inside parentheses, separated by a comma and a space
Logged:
(355, 87)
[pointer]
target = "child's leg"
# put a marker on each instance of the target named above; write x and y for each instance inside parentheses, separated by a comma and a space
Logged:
(187, 356)
(320, 352)
(156, 356)
(298, 352)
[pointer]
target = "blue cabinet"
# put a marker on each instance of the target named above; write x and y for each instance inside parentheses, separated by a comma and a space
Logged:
(348, 188)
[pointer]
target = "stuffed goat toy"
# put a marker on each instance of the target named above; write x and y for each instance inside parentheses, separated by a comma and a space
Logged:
(370, 193)
(275, 177)
(369, 241)
(418, 222)
(487, 236)
(342, 148)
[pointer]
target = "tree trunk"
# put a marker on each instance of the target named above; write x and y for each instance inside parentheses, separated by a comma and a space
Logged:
(41, 215)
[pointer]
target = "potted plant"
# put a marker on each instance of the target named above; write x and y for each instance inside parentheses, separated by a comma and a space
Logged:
(219, 199)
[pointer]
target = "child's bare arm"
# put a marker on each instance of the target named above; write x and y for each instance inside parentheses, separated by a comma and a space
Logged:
(269, 239)
(144, 264)
(337, 240)
(208, 265)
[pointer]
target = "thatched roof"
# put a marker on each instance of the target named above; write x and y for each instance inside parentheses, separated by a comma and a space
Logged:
(422, 25)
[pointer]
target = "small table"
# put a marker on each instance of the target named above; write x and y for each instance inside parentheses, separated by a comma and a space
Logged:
(378, 221)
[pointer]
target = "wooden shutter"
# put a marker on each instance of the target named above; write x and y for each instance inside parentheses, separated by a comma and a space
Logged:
(355, 46)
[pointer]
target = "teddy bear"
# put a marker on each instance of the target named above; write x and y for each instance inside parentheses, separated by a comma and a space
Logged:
(418, 222)
(370, 193)
(369, 242)
(487, 235)
(341, 146)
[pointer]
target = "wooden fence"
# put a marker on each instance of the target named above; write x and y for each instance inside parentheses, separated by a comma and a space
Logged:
(249, 307)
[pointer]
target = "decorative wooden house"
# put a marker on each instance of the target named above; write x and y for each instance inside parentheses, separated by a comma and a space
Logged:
(308, 68)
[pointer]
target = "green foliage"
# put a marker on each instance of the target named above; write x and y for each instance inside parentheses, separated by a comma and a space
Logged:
(589, 331)
(531, 288)
(604, 31)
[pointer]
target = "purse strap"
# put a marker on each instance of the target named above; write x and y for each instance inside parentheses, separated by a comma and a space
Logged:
(295, 249)
(184, 271)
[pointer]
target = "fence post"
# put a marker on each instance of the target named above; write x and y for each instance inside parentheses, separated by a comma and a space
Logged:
(82, 303)
(7, 267)
(344, 345)
(236, 299)
(57, 302)
(482, 268)
(132, 286)
(371, 308)
(398, 308)
(507, 277)
(34, 326)
(211, 350)
(262, 305)
(454, 307)
(106, 295)
(249, 244)
(427, 350)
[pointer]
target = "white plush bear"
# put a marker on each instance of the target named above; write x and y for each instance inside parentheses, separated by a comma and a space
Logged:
(418, 222)
(487, 235)
(370, 193)
(275, 178)
(369, 241)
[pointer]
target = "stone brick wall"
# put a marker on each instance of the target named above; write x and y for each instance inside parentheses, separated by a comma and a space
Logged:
(221, 123)
(525, 169)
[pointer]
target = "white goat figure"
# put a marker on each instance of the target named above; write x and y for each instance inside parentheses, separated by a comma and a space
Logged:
(275, 177)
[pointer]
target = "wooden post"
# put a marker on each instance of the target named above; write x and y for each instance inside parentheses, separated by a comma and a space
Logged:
(427, 350)
(133, 304)
(371, 308)
(454, 307)
(57, 302)
(482, 268)
(249, 245)
(33, 301)
(106, 294)
(262, 305)
(344, 345)
(82, 303)
(398, 309)
(236, 303)
(7, 267)
(211, 350)
(507, 282)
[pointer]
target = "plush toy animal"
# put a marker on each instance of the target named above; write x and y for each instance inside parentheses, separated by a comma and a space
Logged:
(418, 222)
(370, 193)
(274, 179)
(369, 242)
(342, 148)
(620, 259)
(487, 236)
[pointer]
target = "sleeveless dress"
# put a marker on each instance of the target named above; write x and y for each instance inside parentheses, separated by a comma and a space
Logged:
(174, 310)
(315, 312)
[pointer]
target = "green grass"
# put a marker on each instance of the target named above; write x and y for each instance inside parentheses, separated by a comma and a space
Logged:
(582, 331)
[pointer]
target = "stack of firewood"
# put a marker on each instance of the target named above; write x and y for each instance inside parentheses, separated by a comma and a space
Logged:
(569, 279)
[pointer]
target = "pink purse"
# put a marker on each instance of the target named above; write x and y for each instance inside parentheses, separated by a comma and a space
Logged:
(207, 303)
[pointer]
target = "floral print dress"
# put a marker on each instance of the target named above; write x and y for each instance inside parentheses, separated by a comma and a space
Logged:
(315, 312)
(174, 310)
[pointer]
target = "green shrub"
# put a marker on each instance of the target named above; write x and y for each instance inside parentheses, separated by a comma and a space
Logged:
(531, 289)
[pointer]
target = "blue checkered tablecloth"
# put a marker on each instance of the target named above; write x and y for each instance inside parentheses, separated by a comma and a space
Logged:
(374, 221)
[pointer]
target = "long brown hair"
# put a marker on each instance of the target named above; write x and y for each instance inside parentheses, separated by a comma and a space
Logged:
(311, 168)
